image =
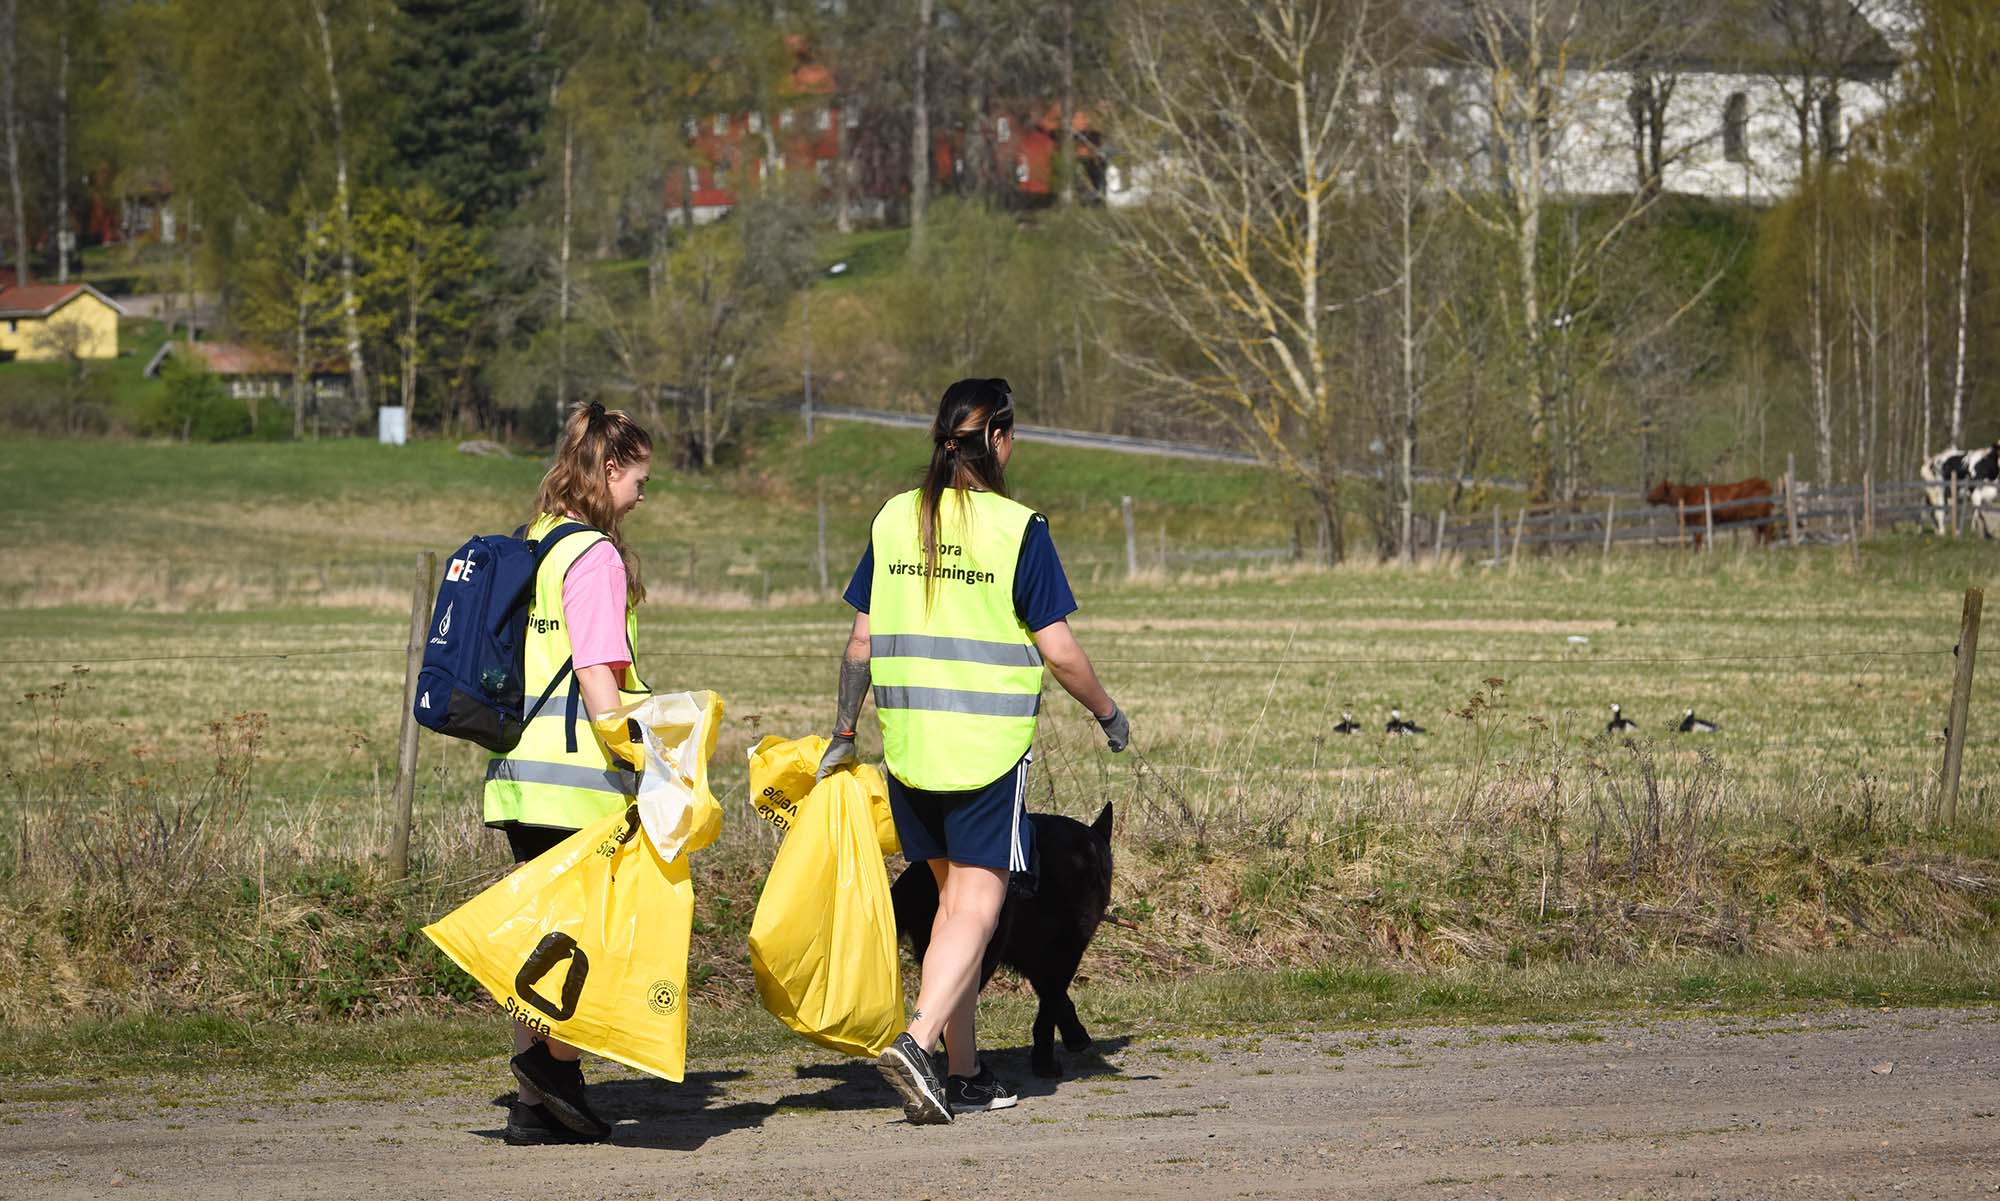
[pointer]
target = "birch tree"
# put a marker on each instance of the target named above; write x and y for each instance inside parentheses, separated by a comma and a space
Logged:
(10, 115)
(343, 211)
(1250, 107)
(1546, 72)
(1956, 79)
(1821, 44)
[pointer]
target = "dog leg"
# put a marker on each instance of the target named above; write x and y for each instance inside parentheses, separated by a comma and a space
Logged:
(1075, 1037)
(1043, 1057)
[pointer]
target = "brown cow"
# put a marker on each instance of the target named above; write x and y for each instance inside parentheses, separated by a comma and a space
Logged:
(1743, 501)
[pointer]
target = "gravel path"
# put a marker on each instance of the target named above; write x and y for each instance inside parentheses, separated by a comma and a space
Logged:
(1853, 1103)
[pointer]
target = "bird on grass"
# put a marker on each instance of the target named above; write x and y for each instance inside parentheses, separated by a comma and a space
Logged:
(1398, 726)
(1690, 724)
(1619, 723)
(1347, 724)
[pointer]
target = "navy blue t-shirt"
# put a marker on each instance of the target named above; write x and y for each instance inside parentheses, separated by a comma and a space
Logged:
(1041, 590)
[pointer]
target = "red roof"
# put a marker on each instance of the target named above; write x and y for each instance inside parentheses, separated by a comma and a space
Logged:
(39, 300)
(239, 358)
(234, 358)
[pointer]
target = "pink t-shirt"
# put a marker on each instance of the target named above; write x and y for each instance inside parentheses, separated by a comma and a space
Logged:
(594, 608)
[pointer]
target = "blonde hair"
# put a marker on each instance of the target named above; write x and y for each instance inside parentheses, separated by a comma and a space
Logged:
(592, 437)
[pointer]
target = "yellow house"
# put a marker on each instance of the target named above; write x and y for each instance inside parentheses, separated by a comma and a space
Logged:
(40, 322)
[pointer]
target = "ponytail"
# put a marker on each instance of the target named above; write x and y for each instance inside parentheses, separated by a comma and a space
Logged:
(591, 437)
(971, 415)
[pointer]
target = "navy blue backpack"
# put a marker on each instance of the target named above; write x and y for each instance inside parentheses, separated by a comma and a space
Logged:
(472, 684)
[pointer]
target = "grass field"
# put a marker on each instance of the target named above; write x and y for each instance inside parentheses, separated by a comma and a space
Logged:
(207, 641)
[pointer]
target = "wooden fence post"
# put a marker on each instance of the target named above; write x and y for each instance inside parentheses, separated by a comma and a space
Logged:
(1853, 538)
(1496, 535)
(1954, 508)
(1610, 516)
(1961, 700)
(406, 748)
(1681, 523)
(1868, 504)
(1708, 520)
(1131, 539)
(1163, 549)
(1514, 555)
(1791, 501)
(1437, 548)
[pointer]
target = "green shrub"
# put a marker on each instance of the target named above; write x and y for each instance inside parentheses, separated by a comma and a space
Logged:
(193, 406)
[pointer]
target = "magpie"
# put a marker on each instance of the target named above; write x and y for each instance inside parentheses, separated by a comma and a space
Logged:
(1398, 726)
(1347, 724)
(1690, 724)
(1619, 723)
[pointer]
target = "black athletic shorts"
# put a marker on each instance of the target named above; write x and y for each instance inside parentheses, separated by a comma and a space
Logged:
(529, 842)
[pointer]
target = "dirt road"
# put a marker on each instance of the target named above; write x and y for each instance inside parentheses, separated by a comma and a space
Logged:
(1899, 1103)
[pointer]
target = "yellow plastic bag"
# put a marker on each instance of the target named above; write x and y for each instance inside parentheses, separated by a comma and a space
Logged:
(781, 775)
(823, 941)
(589, 942)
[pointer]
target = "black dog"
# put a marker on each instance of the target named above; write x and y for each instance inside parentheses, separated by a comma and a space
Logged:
(1042, 937)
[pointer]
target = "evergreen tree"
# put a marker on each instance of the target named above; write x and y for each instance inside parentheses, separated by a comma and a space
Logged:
(474, 88)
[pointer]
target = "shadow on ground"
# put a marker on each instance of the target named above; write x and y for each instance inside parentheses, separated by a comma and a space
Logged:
(660, 1115)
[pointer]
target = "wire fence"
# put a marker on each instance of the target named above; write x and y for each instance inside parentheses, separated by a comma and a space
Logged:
(1793, 514)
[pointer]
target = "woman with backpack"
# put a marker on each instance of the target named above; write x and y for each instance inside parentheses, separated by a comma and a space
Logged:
(572, 768)
(960, 601)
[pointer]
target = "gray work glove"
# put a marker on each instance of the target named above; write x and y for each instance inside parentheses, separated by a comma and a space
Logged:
(839, 753)
(1117, 730)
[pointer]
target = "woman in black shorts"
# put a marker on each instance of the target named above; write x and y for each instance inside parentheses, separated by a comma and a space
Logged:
(960, 602)
(579, 651)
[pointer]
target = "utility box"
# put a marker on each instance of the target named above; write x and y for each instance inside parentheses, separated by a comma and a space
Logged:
(391, 429)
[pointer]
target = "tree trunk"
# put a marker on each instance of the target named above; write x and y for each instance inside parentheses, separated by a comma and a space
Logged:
(63, 232)
(1065, 157)
(301, 366)
(920, 123)
(843, 191)
(1407, 450)
(1327, 498)
(1964, 291)
(1816, 347)
(343, 211)
(1924, 349)
(9, 64)
(410, 359)
(707, 423)
(562, 273)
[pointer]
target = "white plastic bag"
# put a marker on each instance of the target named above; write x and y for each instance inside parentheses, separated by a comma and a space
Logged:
(679, 730)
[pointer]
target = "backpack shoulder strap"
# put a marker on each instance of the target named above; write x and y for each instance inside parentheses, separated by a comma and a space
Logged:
(548, 541)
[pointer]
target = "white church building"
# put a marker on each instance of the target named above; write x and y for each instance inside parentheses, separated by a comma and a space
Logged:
(1726, 99)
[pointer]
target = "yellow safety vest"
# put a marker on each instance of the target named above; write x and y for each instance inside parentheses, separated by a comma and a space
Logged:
(958, 683)
(559, 775)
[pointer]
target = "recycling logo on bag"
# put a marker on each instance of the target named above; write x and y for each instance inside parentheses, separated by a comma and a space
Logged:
(662, 997)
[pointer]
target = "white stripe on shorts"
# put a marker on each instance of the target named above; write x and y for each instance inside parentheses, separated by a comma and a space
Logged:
(1017, 859)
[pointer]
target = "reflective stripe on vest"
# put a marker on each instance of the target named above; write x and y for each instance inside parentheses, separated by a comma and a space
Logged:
(957, 677)
(965, 650)
(542, 782)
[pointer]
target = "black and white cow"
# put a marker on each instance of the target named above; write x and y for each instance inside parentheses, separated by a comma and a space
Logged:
(1977, 474)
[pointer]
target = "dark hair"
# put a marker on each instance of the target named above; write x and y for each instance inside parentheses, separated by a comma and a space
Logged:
(591, 437)
(972, 413)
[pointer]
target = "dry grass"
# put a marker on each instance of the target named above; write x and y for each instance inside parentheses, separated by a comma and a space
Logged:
(149, 868)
